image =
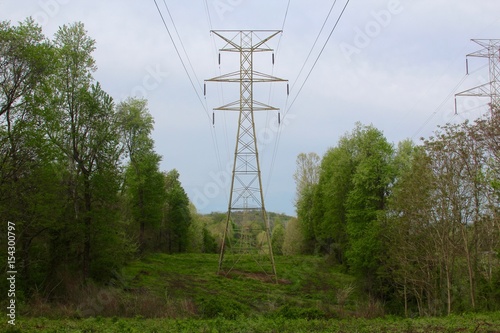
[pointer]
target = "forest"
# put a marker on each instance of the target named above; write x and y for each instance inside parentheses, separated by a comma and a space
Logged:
(79, 175)
(412, 227)
(417, 225)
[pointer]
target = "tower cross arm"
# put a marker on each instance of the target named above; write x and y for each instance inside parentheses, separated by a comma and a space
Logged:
(479, 91)
(250, 48)
(227, 40)
(265, 40)
(489, 46)
(255, 77)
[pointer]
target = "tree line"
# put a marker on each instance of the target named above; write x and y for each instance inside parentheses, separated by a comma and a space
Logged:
(79, 175)
(418, 225)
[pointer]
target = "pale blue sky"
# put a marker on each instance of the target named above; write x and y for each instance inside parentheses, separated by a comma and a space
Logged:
(394, 64)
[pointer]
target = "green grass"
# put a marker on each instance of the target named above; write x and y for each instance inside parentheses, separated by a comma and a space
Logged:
(467, 323)
(307, 287)
(183, 293)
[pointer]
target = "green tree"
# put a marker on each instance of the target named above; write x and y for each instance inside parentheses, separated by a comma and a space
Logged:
(486, 132)
(440, 223)
(28, 177)
(200, 238)
(410, 249)
(294, 238)
(177, 216)
(81, 123)
(371, 182)
(307, 172)
(461, 209)
(144, 186)
(329, 209)
(26, 57)
(306, 179)
(278, 237)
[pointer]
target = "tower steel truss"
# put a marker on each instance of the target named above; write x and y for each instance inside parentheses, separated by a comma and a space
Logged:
(491, 89)
(246, 199)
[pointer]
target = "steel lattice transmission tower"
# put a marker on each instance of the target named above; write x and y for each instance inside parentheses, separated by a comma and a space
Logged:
(491, 89)
(246, 199)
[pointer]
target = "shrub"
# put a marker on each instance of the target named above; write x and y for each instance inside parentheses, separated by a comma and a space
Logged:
(294, 312)
(213, 307)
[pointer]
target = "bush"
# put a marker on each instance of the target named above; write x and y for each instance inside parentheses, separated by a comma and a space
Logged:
(213, 307)
(295, 312)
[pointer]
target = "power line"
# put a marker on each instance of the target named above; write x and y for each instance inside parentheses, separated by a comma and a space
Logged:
(319, 55)
(286, 14)
(273, 156)
(443, 103)
(439, 107)
(214, 134)
(208, 14)
(180, 58)
(272, 72)
(314, 44)
(220, 89)
(182, 44)
(287, 109)
(204, 106)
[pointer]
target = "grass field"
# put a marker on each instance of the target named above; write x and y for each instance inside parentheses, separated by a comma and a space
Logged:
(467, 323)
(307, 288)
(182, 293)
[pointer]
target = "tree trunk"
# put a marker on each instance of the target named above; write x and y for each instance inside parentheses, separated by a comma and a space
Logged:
(448, 289)
(141, 220)
(87, 229)
(470, 269)
(142, 227)
(406, 299)
(169, 240)
(26, 241)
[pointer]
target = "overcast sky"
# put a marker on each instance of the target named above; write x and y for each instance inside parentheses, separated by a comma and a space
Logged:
(393, 64)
